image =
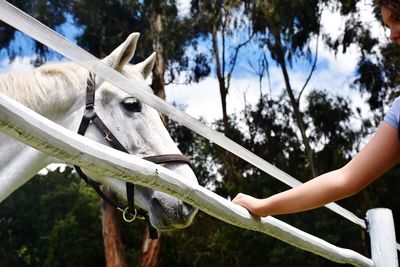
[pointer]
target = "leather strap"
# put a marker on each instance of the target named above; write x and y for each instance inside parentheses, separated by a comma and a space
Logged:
(169, 158)
(90, 115)
(90, 91)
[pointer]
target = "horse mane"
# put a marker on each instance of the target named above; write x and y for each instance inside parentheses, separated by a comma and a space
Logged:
(43, 89)
(51, 88)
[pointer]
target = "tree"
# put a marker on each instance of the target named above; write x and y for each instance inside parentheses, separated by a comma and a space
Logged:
(271, 135)
(62, 228)
(162, 31)
(223, 22)
(221, 19)
(288, 28)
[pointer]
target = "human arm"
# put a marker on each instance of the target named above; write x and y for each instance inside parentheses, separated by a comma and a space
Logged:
(380, 154)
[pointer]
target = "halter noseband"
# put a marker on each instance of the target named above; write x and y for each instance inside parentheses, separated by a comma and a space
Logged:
(129, 213)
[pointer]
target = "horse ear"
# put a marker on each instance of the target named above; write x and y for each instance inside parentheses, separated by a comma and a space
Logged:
(123, 53)
(146, 65)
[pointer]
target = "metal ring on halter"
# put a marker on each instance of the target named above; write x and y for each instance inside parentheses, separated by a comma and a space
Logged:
(107, 137)
(125, 212)
(89, 113)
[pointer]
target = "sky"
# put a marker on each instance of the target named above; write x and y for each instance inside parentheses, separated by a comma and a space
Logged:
(333, 73)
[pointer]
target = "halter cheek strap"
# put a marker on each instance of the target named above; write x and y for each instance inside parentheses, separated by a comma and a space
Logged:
(129, 213)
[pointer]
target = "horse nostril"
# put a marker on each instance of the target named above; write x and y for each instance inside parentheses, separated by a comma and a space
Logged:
(157, 206)
(185, 209)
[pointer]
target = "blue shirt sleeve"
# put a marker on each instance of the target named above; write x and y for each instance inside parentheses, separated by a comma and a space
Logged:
(393, 115)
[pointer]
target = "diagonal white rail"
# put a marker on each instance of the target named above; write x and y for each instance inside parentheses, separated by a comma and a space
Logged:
(23, 124)
(25, 23)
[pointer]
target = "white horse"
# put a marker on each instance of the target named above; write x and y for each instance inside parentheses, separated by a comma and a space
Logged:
(58, 92)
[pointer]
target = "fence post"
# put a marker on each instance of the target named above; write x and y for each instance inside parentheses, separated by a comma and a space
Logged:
(383, 237)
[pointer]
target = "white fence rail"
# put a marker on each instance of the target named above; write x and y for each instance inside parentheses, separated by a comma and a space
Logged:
(36, 131)
(383, 237)
(45, 35)
(42, 134)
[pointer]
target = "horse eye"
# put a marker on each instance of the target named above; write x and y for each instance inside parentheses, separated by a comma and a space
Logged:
(131, 104)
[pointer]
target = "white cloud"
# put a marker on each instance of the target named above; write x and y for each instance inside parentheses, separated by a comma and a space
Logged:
(203, 99)
(183, 7)
(19, 64)
(335, 72)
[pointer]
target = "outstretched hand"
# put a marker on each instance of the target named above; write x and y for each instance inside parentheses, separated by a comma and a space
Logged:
(252, 204)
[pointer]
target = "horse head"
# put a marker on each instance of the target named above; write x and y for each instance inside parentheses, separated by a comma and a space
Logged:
(140, 130)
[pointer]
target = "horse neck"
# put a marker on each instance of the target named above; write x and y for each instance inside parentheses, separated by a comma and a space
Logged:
(56, 92)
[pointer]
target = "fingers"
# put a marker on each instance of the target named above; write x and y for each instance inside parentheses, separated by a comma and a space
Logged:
(238, 198)
(252, 204)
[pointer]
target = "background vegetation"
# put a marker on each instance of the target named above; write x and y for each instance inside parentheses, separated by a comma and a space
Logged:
(55, 219)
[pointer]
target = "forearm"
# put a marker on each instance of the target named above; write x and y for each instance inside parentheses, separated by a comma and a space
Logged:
(316, 192)
(380, 154)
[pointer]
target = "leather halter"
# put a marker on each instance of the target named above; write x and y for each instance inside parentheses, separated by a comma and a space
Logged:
(129, 213)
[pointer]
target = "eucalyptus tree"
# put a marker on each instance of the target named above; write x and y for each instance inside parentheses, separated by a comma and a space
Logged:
(162, 30)
(268, 132)
(288, 28)
(102, 25)
(224, 22)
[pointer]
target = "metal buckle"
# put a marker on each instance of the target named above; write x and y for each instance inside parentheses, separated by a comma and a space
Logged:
(89, 113)
(127, 215)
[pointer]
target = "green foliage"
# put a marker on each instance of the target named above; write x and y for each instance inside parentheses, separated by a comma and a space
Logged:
(288, 25)
(107, 23)
(378, 77)
(331, 118)
(52, 221)
(271, 134)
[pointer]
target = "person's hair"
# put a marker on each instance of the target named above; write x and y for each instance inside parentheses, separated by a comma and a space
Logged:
(392, 5)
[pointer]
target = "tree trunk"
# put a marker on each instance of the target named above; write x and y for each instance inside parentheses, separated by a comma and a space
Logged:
(150, 251)
(296, 110)
(113, 247)
(158, 82)
(151, 247)
(223, 90)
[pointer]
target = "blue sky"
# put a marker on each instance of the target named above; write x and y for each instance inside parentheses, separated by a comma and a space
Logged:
(23, 45)
(334, 72)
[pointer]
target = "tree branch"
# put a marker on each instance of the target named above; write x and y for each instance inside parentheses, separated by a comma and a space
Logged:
(311, 71)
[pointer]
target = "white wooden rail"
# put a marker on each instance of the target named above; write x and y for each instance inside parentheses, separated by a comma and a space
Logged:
(383, 237)
(47, 36)
(23, 124)
(34, 130)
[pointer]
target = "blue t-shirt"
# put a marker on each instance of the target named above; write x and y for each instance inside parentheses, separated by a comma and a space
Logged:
(393, 115)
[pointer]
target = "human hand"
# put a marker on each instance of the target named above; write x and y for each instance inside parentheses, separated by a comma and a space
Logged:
(252, 204)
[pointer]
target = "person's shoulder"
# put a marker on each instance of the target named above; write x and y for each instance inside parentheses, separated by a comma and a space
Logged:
(393, 114)
(396, 100)
(396, 103)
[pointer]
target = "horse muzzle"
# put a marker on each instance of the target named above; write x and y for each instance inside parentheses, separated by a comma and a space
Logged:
(167, 212)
